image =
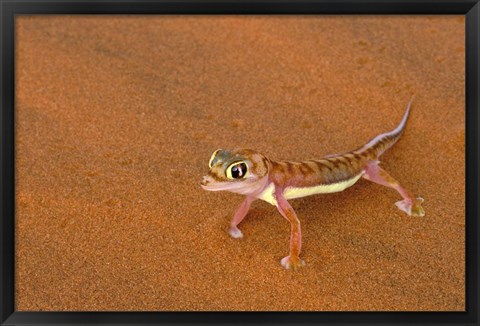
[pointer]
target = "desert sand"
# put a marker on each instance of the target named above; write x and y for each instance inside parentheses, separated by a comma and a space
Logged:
(116, 119)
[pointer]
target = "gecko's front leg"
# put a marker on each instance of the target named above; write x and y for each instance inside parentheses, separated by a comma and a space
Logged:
(240, 214)
(292, 261)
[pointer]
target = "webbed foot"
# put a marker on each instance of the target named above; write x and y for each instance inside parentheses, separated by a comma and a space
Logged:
(292, 262)
(235, 232)
(412, 208)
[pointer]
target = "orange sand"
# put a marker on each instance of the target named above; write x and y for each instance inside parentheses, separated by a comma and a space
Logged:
(118, 116)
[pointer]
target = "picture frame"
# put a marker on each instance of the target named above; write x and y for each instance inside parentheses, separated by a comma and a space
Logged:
(10, 9)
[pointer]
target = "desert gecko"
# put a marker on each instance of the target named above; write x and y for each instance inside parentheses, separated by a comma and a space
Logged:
(252, 174)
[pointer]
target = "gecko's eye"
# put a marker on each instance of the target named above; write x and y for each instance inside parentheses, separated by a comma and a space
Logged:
(210, 163)
(237, 170)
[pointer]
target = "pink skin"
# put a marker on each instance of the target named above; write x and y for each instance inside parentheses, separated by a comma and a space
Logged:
(409, 204)
(292, 261)
(240, 214)
(263, 172)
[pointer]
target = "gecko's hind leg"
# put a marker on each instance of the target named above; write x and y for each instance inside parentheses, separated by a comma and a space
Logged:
(410, 205)
(240, 214)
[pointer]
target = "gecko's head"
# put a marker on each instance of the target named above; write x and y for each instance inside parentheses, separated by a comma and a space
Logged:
(241, 171)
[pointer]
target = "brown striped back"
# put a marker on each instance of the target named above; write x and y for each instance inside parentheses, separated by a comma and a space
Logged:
(315, 172)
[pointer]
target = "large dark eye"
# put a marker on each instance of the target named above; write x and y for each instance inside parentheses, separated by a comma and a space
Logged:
(237, 170)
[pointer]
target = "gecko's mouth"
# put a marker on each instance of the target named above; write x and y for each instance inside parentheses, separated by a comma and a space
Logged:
(213, 185)
(209, 188)
(208, 184)
(216, 186)
(242, 188)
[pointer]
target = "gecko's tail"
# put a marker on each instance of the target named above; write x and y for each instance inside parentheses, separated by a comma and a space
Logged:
(378, 145)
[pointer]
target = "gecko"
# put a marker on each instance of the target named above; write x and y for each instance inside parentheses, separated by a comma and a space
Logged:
(252, 174)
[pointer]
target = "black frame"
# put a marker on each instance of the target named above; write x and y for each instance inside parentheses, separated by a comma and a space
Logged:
(10, 8)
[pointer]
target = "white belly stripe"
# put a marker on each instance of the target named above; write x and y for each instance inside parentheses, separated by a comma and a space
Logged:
(294, 192)
(267, 195)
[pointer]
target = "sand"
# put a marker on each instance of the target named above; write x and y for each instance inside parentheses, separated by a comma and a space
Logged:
(116, 119)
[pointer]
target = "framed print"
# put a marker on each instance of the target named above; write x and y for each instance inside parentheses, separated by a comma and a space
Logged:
(239, 162)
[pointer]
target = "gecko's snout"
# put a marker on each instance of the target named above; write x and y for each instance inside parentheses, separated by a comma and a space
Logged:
(208, 183)
(205, 181)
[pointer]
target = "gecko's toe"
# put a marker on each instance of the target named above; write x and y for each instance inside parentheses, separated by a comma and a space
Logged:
(293, 263)
(235, 232)
(412, 208)
(417, 209)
